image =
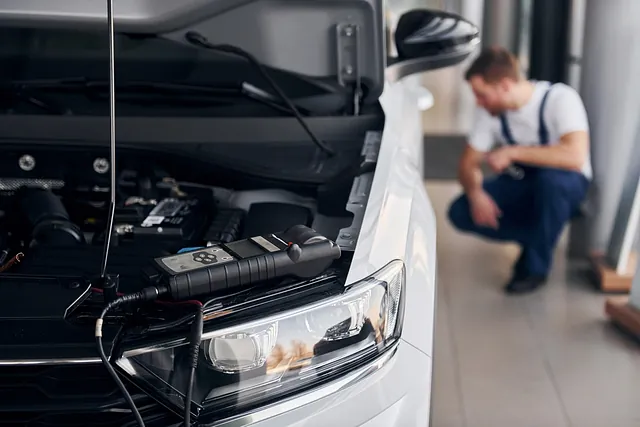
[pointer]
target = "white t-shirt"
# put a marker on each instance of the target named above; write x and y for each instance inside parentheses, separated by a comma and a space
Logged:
(564, 112)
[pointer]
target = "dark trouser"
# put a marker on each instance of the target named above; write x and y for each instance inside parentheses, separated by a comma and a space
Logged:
(534, 213)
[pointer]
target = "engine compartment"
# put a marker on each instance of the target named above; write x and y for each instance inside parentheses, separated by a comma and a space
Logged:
(208, 186)
(61, 232)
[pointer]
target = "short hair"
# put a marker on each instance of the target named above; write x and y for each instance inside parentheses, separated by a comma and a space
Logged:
(494, 64)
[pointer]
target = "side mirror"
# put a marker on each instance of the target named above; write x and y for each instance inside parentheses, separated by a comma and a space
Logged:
(430, 39)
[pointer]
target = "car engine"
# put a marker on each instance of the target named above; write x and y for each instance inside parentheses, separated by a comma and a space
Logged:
(50, 231)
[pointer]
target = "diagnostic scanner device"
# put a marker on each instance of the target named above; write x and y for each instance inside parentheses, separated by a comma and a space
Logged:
(298, 252)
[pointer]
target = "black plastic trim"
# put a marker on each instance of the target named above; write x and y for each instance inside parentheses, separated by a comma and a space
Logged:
(170, 130)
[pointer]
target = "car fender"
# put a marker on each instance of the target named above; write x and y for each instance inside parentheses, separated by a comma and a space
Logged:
(399, 221)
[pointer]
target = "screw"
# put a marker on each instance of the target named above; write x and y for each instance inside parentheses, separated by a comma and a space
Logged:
(348, 31)
(74, 285)
(101, 165)
(27, 162)
(348, 69)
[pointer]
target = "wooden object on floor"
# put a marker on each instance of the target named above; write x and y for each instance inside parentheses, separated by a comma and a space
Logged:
(608, 279)
(624, 315)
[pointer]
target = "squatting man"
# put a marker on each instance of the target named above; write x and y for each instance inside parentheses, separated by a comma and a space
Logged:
(535, 136)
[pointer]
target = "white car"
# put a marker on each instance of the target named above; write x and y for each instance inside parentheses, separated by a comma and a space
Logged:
(268, 182)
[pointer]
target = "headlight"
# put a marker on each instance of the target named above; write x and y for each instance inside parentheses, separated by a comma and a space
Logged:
(259, 361)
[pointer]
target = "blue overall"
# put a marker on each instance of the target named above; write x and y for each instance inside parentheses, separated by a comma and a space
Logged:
(534, 209)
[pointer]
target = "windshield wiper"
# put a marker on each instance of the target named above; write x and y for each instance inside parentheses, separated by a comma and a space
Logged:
(80, 83)
(11, 95)
(138, 90)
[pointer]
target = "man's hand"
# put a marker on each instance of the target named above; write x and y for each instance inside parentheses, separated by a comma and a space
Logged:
(500, 159)
(484, 210)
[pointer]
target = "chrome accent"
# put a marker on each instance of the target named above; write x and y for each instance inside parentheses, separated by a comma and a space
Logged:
(32, 362)
(27, 162)
(309, 397)
(101, 165)
(13, 184)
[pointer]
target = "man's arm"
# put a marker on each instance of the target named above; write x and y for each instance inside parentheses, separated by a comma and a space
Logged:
(481, 138)
(483, 209)
(469, 171)
(570, 153)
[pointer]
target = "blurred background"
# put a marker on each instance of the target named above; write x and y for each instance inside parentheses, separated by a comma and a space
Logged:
(551, 359)
(555, 25)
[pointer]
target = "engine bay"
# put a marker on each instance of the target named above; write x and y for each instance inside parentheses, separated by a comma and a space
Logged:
(61, 232)
(52, 243)
(53, 223)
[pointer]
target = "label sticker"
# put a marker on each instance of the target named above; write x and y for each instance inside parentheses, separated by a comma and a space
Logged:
(152, 220)
(265, 244)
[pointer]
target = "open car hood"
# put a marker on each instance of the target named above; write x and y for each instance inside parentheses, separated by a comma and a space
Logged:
(343, 41)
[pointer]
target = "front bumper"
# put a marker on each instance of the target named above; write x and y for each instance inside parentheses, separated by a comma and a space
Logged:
(395, 393)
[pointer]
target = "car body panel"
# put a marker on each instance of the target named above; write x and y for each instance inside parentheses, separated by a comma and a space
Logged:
(399, 222)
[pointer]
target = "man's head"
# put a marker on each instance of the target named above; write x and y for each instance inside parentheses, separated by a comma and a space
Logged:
(494, 77)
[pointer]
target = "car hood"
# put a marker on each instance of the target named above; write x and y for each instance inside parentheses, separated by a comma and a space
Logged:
(307, 38)
(345, 41)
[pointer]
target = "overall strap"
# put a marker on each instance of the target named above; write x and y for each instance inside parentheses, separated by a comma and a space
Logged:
(506, 131)
(543, 132)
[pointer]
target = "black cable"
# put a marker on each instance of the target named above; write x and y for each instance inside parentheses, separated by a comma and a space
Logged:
(171, 324)
(198, 39)
(188, 397)
(146, 294)
(195, 338)
(119, 382)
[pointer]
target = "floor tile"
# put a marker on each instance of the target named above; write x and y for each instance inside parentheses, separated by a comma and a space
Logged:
(543, 360)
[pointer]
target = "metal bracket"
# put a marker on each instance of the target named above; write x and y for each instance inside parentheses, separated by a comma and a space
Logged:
(348, 60)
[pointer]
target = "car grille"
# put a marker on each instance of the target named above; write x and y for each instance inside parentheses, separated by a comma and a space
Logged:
(70, 395)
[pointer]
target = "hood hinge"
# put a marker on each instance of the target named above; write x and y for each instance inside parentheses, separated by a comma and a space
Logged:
(348, 60)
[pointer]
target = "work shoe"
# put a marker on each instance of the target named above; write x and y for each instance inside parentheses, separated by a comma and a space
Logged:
(519, 268)
(523, 285)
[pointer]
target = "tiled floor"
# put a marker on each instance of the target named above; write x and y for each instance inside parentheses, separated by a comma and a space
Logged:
(549, 359)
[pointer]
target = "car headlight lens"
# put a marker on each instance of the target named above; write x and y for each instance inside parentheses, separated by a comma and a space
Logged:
(243, 350)
(258, 361)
